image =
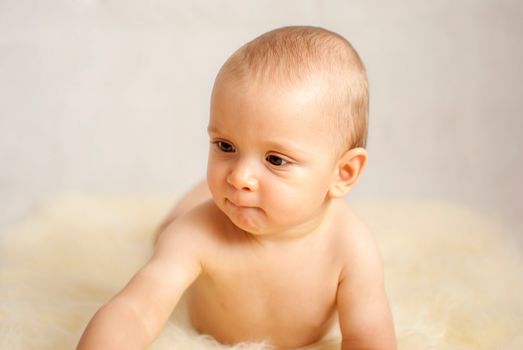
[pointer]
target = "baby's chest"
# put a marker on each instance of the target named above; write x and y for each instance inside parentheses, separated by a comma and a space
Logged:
(283, 288)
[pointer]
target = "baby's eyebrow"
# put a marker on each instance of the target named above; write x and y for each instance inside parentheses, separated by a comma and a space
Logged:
(286, 147)
(212, 129)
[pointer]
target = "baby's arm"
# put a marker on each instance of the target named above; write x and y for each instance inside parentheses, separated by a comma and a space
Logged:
(364, 312)
(135, 316)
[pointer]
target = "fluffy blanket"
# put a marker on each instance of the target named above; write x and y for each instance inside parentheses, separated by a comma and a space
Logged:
(454, 279)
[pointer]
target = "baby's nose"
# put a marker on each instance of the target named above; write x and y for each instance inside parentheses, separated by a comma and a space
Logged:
(242, 178)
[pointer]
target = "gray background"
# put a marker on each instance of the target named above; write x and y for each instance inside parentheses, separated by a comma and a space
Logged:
(112, 96)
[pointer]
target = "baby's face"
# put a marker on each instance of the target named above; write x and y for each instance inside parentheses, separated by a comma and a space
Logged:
(271, 158)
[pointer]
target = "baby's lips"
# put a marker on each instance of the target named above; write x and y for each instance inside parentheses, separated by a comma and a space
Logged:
(239, 203)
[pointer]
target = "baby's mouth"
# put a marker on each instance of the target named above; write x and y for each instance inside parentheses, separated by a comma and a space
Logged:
(235, 204)
(239, 204)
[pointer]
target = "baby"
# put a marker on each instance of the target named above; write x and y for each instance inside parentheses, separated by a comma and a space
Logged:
(273, 253)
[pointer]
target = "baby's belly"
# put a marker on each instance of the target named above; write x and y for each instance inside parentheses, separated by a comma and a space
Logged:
(286, 317)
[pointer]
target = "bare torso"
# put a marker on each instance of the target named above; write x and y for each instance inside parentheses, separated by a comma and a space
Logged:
(283, 292)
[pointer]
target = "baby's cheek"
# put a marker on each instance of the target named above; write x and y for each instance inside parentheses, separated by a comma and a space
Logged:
(283, 199)
(214, 179)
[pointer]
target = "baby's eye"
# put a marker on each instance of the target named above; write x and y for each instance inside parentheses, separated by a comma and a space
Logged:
(225, 147)
(275, 160)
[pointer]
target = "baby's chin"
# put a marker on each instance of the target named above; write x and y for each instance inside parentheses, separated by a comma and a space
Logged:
(246, 222)
(249, 220)
(259, 231)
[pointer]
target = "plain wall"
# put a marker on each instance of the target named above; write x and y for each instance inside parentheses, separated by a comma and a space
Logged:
(112, 96)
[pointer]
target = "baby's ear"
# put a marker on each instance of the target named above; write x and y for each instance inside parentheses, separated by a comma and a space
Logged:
(347, 172)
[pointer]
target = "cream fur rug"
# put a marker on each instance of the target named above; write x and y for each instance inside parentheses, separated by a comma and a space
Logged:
(453, 279)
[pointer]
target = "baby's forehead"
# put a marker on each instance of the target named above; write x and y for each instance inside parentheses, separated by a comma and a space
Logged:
(284, 102)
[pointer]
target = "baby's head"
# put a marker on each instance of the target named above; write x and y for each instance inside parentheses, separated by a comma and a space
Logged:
(288, 127)
(319, 60)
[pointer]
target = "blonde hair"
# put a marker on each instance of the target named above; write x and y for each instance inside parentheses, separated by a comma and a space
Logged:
(298, 53)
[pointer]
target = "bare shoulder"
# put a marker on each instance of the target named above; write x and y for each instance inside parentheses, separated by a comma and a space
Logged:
(355, 242)
(196, 232)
